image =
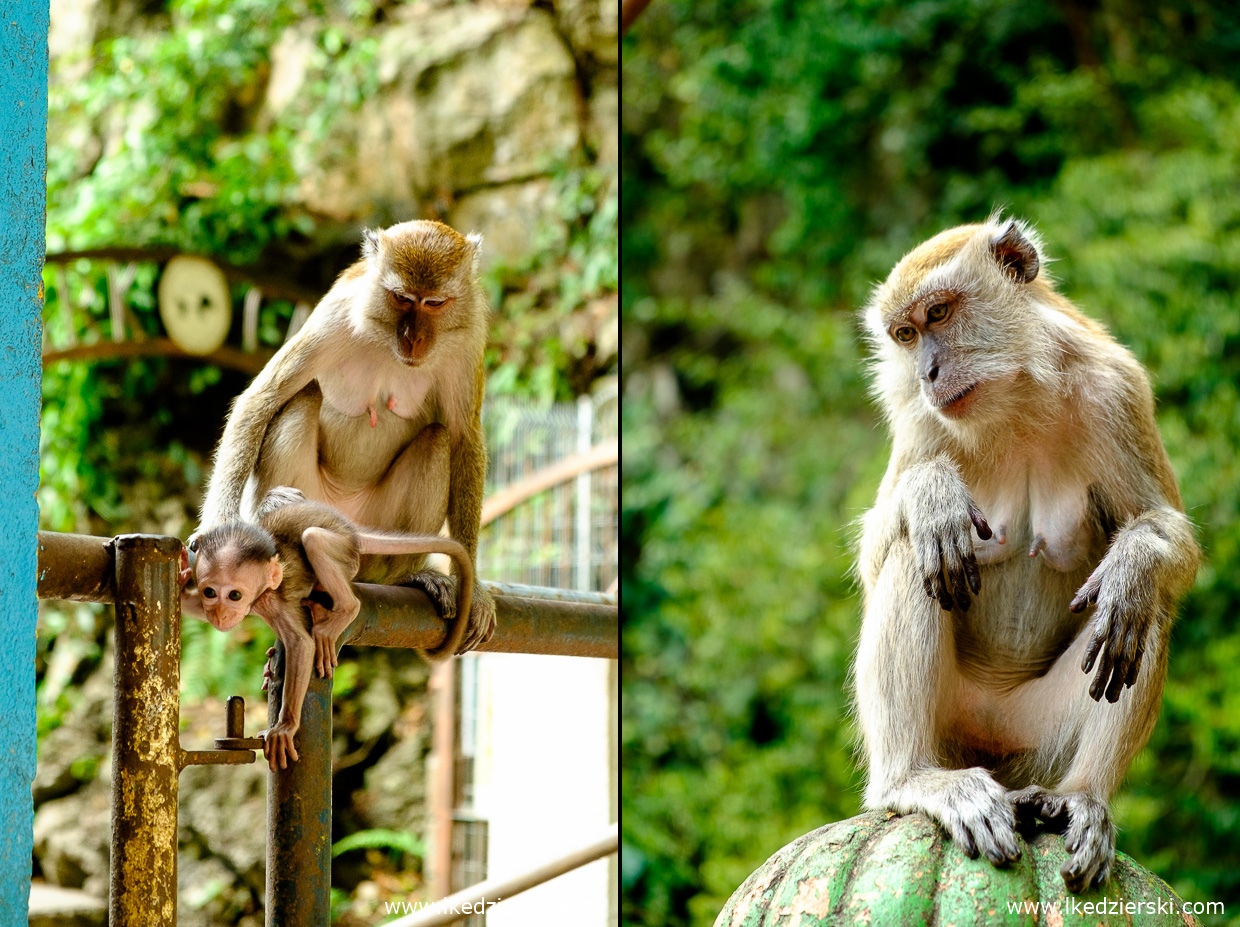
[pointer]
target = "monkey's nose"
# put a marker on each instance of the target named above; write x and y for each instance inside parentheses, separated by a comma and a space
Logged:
(933, 373)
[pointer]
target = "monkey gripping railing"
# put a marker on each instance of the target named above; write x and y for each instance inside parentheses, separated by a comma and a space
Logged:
(138, 573)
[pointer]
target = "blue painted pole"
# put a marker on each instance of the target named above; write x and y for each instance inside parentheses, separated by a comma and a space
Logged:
(23, 198)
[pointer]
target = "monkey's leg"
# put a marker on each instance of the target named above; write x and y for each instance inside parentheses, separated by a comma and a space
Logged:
(907, 678)
(468, 473)
(1095, 741)
(290, 452)
(412, 497)
(334, 559)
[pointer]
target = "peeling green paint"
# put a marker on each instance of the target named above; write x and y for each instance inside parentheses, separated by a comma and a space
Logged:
(884, 869)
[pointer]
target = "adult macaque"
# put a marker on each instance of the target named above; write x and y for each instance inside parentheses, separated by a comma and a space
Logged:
(271, 568)
(1023, 559)
(374, 407)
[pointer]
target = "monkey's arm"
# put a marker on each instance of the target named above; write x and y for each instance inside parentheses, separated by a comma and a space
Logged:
(467, 473)
(288, 623)
(1152, 559)
(293, 367)
(1151, 563)
(928, 503)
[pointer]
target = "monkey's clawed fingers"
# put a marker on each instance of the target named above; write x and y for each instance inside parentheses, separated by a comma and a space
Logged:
(278, 747)
(951, 573)
(325, 659)
(979, 522)
(1036, 803)
(1087, 595)
(1116, 647)
(983, 824)
(1091, 841)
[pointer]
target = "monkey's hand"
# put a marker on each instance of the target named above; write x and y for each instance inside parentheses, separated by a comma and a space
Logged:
(937, 512)
(327, 626)
(278, 745)
(1126, 606)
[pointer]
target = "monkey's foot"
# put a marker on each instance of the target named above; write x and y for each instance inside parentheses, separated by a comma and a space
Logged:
(1090, 834)
(439, 587)
(970, 805)
(278, 746)
(442, 591)
(481, 619)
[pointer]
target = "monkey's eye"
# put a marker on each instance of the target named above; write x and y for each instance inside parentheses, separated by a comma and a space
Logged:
(208, 592)
(938, 312)
(434, 303)
(403, 301)
(905, 333)
(235, 595)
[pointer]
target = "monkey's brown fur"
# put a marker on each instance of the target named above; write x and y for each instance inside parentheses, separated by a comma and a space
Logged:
(272, 568)
(1023, 561)
(374, 408)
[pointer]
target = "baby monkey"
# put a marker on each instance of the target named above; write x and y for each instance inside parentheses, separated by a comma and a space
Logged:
(300, 547)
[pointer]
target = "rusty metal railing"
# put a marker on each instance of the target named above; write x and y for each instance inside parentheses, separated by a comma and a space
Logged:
(138, 573)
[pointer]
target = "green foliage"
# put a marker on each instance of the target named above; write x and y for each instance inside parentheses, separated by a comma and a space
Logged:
(779, 157)
(380, 839)
(540, 347)
(223, 664)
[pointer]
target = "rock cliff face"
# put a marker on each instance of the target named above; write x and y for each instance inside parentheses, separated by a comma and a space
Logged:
(469, 107)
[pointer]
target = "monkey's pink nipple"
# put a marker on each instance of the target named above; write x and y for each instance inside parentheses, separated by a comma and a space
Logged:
(374, 416)
(391, 403)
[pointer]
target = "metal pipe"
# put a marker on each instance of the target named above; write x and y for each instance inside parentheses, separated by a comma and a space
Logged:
(551, 593)
(76, 567)
(145, 740)
(299, 811)
(453, 908)
(394, 616)
(79, 568)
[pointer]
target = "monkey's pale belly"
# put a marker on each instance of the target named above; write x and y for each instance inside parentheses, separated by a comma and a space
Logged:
(999, 646)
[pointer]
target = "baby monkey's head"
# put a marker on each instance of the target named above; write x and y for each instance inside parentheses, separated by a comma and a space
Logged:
(236, 563)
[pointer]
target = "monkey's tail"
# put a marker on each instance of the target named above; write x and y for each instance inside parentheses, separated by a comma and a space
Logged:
(370, 542)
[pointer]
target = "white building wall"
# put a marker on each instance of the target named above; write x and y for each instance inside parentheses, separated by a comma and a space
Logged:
(541, 780)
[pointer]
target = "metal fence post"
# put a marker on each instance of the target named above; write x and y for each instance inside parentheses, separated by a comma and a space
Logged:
(299, 812)
(145, 738)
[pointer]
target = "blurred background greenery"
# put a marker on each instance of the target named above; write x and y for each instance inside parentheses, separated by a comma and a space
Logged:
(778, 158)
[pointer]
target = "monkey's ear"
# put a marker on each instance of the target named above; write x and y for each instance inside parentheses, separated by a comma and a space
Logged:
(370, 242)
(474, 241)
(1016, 254)
(276, 576)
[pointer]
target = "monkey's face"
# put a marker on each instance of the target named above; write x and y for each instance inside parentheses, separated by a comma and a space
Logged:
(424, 275)
(228, 588)
(950, 325)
